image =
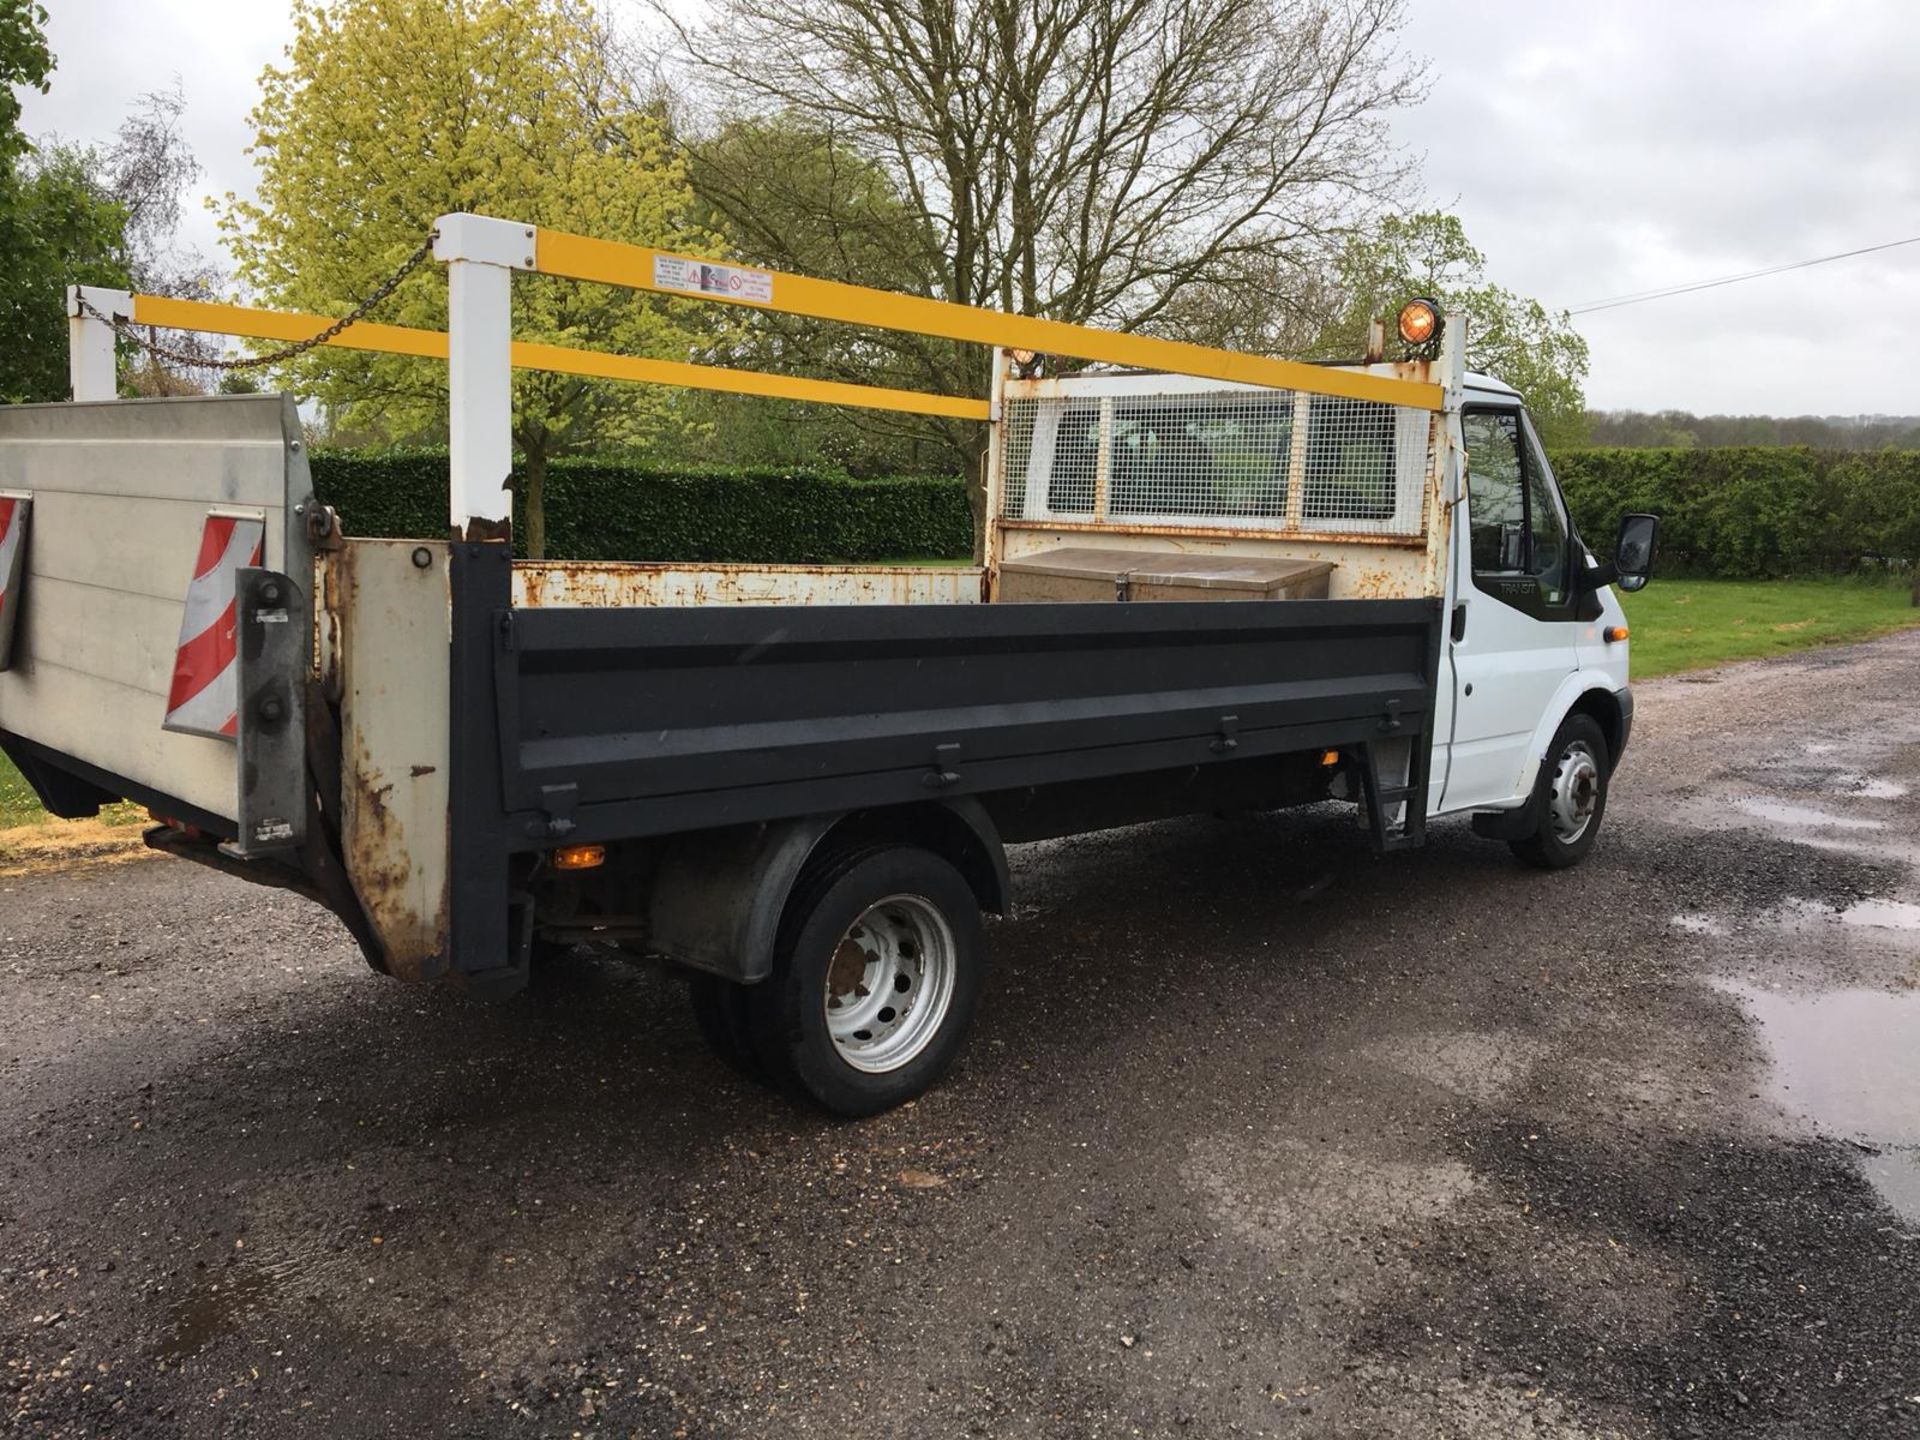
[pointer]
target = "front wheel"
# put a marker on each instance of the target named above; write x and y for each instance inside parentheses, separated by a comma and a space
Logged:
(874, 982)
(1571, 798)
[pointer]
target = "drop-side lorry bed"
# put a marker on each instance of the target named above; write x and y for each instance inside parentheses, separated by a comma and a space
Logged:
(1201, 592)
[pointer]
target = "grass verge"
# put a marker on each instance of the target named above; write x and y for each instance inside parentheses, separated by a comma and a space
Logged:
(30, 837)
(1690, 624)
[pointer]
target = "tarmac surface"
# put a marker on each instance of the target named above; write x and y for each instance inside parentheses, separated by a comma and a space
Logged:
(1257, 1134)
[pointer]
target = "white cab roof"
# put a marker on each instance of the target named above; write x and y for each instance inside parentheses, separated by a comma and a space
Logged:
(1488, 383)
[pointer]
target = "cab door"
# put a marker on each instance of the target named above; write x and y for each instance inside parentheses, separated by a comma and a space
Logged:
(1512, 631)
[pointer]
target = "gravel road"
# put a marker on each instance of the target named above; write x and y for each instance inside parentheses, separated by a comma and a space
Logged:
(1257, 1134)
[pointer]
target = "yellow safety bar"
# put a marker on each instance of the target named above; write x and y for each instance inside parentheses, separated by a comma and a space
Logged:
(199, 315)
(640, 267)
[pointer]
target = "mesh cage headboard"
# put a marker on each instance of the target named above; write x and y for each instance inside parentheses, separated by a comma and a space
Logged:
(1132, 450)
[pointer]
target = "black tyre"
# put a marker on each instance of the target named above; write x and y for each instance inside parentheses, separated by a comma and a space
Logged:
(875, 978)
(1570, 798)
(720, 1010)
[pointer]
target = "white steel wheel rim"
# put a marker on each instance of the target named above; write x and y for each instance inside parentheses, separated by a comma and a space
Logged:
(1576, 792)
(890, 983)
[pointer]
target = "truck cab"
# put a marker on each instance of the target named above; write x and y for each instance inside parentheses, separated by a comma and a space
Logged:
(1533, 638)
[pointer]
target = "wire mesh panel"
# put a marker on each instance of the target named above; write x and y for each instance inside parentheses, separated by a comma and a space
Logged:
(1133, 450)
(1365, 466)
(1051, 457)
(1219, 456)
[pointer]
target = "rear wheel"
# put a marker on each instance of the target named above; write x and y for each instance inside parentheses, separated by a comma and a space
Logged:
(1571, 798)
(875, 979)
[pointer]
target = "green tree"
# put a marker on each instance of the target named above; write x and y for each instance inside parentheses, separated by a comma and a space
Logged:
(24, 60)
(1509, 336)
(71, 214)
(790, 194)
(389, 113)
(58, 227)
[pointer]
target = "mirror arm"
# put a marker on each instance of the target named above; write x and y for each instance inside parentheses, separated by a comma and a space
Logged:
(1598, 577)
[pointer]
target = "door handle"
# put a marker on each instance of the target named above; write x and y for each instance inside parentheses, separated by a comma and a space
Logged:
(1459, 630)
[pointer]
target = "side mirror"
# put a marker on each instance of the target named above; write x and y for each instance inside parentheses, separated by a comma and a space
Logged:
(1633, 551)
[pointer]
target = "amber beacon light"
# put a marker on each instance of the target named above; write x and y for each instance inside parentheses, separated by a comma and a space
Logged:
(1419, 321)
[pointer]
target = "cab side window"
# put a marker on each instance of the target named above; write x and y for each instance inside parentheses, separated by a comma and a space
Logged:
(1547, 529)
(1518, 538)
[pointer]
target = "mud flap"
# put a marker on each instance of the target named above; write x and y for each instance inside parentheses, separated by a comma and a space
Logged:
(1514, 824)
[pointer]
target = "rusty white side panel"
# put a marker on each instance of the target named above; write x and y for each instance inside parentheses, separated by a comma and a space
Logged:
(389, 616)
(120, 492)
(597, 585)
(1364, 569)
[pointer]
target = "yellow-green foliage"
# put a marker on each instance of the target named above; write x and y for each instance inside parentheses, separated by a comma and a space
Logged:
(389, 113)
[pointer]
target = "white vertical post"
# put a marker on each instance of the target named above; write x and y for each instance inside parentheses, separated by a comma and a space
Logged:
(91, 367)
(481, 254)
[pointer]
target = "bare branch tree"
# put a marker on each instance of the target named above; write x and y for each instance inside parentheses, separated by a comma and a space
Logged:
(1118, 162)
(147, 170)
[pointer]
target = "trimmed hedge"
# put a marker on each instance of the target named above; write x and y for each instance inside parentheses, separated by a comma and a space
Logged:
(1752, 512)
(1739, 512)
(619, 510)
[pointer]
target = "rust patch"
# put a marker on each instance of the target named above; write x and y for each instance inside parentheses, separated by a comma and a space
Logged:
(616, 584)
(1379, 584)
(331, 572)
(374, 827)
(847, 972)
(380, 868)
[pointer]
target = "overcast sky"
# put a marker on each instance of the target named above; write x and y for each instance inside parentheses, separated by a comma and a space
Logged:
(1591, 150)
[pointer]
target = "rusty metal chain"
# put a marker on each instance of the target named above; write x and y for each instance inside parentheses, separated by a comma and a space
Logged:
(129, 332)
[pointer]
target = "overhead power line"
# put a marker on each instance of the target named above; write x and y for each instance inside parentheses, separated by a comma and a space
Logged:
(1642, 296)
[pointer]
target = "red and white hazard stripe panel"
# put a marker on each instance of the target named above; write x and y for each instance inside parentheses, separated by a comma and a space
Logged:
(13, 570)
(205, 696)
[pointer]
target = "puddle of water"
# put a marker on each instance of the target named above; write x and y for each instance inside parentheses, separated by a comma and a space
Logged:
(209, 1312)
(218, 1307)
(1698, 925)
(1895, 922)
(1883, 915)
(1868, 787)
(1805, 817)
(1849, 1060)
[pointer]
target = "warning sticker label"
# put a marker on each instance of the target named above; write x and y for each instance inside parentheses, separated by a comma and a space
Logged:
(702, 277)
